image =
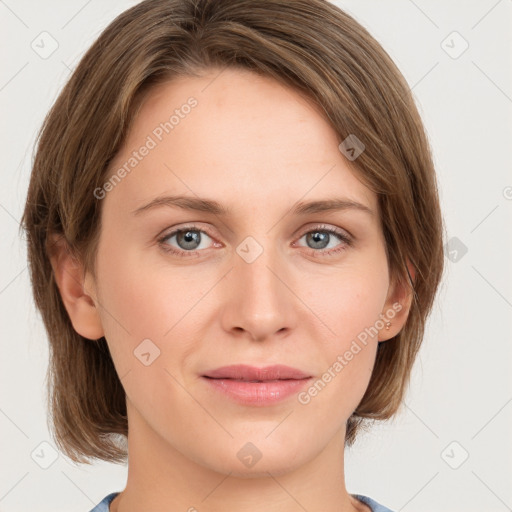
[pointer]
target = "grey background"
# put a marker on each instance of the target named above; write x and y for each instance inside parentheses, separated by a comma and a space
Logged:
(459, 404)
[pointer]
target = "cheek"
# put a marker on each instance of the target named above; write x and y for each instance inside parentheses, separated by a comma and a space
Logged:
(145, 301)
(349, 305)
(347, 353)
(135, 306)
(139, 295)
(139, 308)
(350, 300)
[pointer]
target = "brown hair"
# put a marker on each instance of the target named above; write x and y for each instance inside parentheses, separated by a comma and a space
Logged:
(310, 45)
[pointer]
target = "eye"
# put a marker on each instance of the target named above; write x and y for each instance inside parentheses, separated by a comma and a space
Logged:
(321, 237)
(188, 239)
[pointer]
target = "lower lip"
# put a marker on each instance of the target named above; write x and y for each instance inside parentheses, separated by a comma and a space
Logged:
(257, 393)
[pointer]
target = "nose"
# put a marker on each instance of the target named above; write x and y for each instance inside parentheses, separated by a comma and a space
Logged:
(259, 301)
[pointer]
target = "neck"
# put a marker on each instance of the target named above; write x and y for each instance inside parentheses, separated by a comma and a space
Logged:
(161, 478)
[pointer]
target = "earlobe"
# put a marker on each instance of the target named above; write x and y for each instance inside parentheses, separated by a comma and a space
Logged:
(69, 276)
(397, 306)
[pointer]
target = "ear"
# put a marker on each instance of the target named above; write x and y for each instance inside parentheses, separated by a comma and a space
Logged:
(70, 279)
(397, 306)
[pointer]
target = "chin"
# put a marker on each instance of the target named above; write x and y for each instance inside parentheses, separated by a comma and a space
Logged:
(277, 461)
(260, 470)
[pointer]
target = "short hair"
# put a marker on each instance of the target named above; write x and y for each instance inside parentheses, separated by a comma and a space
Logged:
(309, 45)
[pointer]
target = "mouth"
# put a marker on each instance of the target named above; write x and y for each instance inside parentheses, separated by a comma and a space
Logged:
(248, 373)
(249, 385)
(244, 380)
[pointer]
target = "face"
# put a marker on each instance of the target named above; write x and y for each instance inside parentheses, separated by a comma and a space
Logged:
(240, 271)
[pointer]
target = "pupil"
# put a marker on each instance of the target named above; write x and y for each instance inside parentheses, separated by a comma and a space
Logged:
(319, 239)
(188, 239)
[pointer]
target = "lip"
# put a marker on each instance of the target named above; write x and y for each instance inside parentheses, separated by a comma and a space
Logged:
(250, 385)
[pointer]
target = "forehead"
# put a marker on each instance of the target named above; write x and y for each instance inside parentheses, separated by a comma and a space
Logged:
(231, 106)
(232, 134)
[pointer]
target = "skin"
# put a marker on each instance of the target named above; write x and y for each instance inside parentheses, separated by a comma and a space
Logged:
(258, 148)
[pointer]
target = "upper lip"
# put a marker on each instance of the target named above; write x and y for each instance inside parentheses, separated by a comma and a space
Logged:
(252, 373)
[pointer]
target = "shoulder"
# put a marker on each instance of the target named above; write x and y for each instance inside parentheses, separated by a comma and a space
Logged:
(376, 507)
(103, 506)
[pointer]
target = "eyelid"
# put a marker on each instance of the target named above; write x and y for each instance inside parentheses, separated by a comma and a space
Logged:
(198, 227)
(168, 233)
(326, 227)
(192, 226)
(345, 237)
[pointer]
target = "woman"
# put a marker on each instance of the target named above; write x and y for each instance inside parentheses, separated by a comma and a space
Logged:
(235, 240)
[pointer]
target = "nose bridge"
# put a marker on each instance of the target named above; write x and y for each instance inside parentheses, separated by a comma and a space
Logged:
(259, 301)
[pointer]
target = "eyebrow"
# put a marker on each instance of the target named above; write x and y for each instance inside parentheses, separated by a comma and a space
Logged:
(214, 207)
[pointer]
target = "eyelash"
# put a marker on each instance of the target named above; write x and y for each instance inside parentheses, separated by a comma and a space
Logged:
(347, 241)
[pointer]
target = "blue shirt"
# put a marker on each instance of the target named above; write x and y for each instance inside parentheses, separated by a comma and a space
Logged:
(376, 507)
